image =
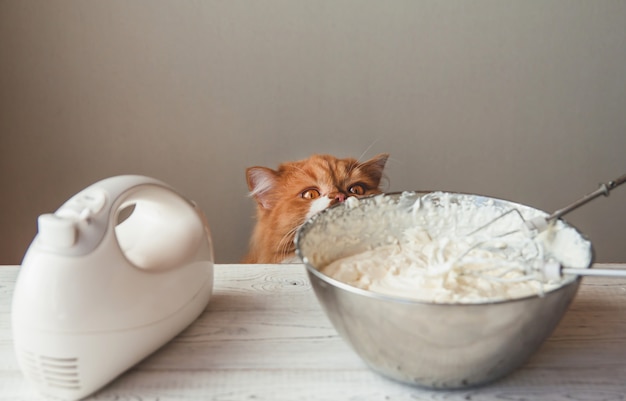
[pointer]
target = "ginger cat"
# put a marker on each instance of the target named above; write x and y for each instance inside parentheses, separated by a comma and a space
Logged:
(287, 197)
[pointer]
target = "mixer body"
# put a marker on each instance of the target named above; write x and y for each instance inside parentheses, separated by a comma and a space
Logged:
(98, 292)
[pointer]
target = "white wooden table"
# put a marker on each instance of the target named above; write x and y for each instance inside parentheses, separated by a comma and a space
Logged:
(264, 337)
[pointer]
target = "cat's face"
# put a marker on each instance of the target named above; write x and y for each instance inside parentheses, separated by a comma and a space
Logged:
(286, 197)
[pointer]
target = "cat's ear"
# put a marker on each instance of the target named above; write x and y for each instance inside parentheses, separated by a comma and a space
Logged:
(261, 181)
(375, 166)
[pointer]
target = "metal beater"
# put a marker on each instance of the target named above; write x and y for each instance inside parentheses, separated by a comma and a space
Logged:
(550, 270)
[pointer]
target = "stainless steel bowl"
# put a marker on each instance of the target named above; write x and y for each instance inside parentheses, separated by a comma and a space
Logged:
(442, 346)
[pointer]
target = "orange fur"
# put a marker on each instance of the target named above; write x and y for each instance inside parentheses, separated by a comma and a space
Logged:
(282, 208)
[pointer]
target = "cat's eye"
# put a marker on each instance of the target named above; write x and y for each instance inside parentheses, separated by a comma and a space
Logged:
(310, 193)
(357, 189)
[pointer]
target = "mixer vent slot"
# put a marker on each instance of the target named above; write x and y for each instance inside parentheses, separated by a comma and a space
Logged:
(50, 371)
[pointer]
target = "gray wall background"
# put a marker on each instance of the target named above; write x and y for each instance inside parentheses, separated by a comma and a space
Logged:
(524, 100)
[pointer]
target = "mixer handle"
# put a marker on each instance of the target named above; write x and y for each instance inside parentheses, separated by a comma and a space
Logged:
(163, 229)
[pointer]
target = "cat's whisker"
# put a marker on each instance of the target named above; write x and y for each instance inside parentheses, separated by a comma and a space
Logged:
(286, 242)
(366, 150)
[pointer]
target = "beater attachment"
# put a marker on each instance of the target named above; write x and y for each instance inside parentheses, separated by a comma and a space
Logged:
(539, 224)
(519, 255)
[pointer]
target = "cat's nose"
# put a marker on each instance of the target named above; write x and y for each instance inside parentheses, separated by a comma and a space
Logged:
(339, 197)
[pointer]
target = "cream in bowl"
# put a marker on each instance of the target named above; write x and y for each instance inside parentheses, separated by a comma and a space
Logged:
(426, 298)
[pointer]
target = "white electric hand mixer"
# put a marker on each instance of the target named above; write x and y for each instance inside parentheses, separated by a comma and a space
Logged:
(532, 267)
(103, 286)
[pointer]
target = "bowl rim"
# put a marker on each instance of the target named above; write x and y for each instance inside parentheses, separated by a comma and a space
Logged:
(311, 270)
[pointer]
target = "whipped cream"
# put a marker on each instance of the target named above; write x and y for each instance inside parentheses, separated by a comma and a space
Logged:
(440, 255)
